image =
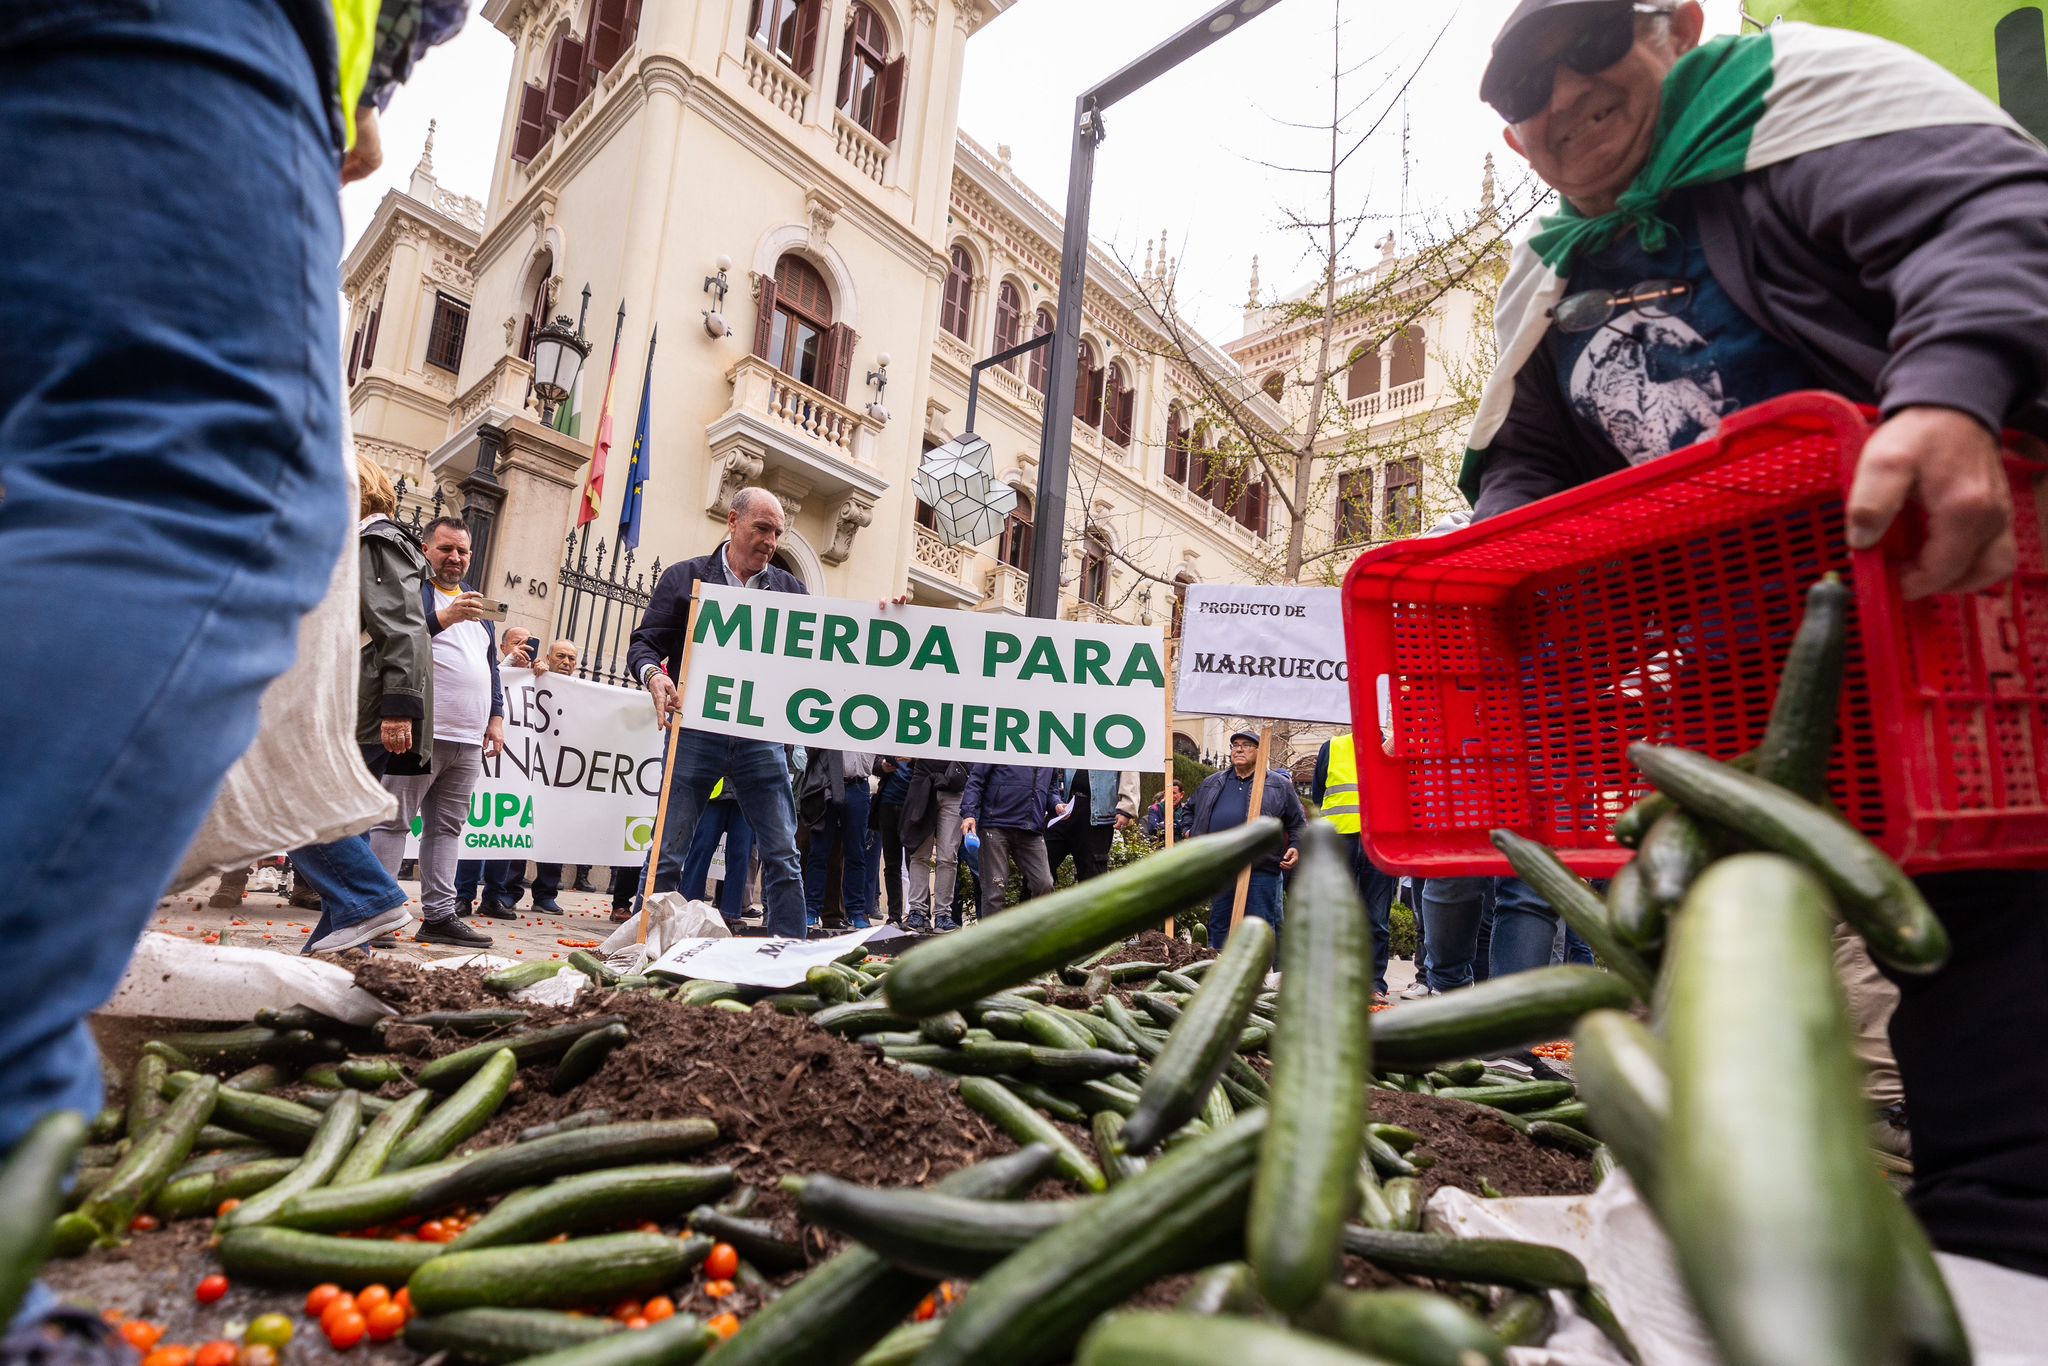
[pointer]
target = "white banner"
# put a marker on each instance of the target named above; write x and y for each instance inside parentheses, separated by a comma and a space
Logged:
(926, 683)
(757, 962)
(1263, 652)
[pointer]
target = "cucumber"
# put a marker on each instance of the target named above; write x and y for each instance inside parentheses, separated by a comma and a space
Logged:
(676, 1341)
(1403, 1195)
(150, 1162)
(283, 1124)
(1877, 900)
(850, 1302)
(323, 1155)
(1571, 1112)
(975, 1057)
(497, 1337)
(1634, 823)
(1396, 1137)
(1577, 905)
(1499, 1013)
(254, 1043)
(1528, 1095)
(902, 1347)
(941, 1236)
(469, 1022)
(1041, 1099)
(600, 1270)
(367, 1074)
(1413, 1327)
(373, 1150)
(264, 1076)
(1105, 1034)
(1676, 850)
(947, 1027)
(1190, 1064)
(593, 1200)
(756, 1240)
(1155, 1339)
(284, 1256)
(582, 1119)
(364, 1204)
(322, 1075)
(173, 1057)
(1141, 1039)
(585, 1057)
(1118, 1164)
(1556, 1135)
(1174, 1216)
(863, 1017)
(1307, 1182)
(1385, 1158)
(324, 1101)
(703, 993)
(1637, 917)
(106, 1126)
(1096, 1097)
(1488, 1261)
(829, 986)
(459, 1116)
(593, 967)
(1077, 1064)
(1226, 1289)
(1523, 1319)
(450, 1070)
(953, 971)
(1800, 737)
(1132, 971)
(31, 1196)
(1790, 1261)
(1928, 1320)
(520, 976)
(1217, 1110)
(1027, 1126)
(525, 1164)
(1373, 1209)
(202, 1192)
(1049, 1028)
(145, 1096)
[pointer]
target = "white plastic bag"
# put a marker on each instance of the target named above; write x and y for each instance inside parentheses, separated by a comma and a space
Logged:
(672, 919)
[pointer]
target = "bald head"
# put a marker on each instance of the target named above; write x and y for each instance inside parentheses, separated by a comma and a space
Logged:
(753, 529)
(562, 657)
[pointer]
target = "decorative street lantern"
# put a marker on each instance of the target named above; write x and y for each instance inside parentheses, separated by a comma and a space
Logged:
(559, 350)
(957, 480)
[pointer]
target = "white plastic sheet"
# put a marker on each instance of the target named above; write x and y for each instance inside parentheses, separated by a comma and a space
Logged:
(758, 962)
(672, 920)
(181, 979)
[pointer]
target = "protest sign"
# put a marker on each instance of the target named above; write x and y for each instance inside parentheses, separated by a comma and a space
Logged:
(757, 962)
(925, 683)
(1269, 652)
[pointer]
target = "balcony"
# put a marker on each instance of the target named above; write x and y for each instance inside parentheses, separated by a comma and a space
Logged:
(1007, 590)
(955, 350)
(1091, 612)
(868, 153)
(503, 391)
(775, 82)
(806, 446)
(937, 571)
(1375, 406)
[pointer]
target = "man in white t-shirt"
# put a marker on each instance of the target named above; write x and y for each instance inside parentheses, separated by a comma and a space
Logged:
(469, 727)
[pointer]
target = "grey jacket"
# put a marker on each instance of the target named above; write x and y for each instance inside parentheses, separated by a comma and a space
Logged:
(1909, 268)
(397, 671)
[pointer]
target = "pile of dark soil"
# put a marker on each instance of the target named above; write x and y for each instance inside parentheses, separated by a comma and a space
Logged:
(1471, 1145)
(1154, 947)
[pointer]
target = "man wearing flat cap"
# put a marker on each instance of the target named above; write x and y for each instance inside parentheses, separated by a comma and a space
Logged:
(1221, 803)
(1804, 208)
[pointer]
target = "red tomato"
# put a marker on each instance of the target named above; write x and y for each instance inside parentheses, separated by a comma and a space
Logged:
(371, 1296)
(386, 1322)
(927, 1308)
(723, 1263)
(718, 1290)
(257, 1354)
(345, 1330)
(210, 1289)
(725, 1325)
(659, 1308)
(142, 1335)
(403, 1299)
(340, 1306)
(169, 1356)
(637, 1321)
(319, 1297)
(217, 1353)
(227, 1207)
(436, 1231)
(143, 1223)
(626, 1309)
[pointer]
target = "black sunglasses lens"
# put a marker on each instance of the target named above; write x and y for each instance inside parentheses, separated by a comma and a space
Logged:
(1526, 98)
(1601, 44)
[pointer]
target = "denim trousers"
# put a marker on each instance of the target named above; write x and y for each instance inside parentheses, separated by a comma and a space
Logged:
(760, 778)
(170, 450)
(1262, 900)
(887, 864)
(722, 820)
(1376, 889)
(353, 885)
(843, 828)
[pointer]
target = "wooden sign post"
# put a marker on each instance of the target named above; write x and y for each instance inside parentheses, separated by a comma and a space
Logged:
(668, 763)
(1166, 793)
(1254, 800)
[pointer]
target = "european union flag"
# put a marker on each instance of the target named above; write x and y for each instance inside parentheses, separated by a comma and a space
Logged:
(637, 467)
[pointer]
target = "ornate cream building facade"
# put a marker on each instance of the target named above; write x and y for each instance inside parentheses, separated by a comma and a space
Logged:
(778, 194)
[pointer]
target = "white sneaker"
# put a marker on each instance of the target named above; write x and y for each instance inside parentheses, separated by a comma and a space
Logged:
(1417, 989)
(335, 940)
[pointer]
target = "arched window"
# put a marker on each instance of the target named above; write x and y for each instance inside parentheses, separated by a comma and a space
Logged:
(959, 294)
(1363, 377)
(1406, 365)
(789, 29)
(1275, 385)
(870, 85)
(537, 306)
(1038, 361)
(1014, 549)
(1088, 379)
(797, 313)
(1119, 398)
(1176, 446)
(1009, 321)
(1095, 571)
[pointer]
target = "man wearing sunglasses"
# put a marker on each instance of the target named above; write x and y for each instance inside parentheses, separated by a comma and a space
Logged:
(1803, 208)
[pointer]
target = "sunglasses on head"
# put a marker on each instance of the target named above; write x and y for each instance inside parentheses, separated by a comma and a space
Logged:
(1599, 43)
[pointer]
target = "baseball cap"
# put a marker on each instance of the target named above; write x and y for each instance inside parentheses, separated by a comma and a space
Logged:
(1517, 37)
(1244, 735)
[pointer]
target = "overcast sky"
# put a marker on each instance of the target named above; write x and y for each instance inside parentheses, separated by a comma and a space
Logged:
(1184, 155)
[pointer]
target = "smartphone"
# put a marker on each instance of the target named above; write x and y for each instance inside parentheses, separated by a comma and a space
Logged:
(495, 611)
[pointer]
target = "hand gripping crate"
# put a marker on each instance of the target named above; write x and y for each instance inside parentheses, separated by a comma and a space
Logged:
(1527, 652)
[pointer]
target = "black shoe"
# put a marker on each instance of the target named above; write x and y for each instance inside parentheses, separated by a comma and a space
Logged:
(408, 869)
(496, 911)
(582, 884)
(947, 924)
(452, 931)
(551, 906)
(64, 1337)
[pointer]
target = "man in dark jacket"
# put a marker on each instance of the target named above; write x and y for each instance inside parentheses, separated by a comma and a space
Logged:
(1099, 802)
(931, 832)
(1006, 807)
(1895, 250)
(887, 819)
(1221, 803)
(758, 770)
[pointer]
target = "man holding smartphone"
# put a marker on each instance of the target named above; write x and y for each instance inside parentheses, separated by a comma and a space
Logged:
(469, 727)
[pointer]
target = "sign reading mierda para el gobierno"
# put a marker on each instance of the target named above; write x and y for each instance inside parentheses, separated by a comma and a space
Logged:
(925, 683)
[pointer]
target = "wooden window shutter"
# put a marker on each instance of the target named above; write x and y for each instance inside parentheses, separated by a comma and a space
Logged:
(1126, 404)
(836, 365)
(1096, 379)
(565, 79)
(764, 322)
(889, 102)
(808, 13)
(370, 335)
(607, 41)
(355, 357)
(847, 62)
(532, 133)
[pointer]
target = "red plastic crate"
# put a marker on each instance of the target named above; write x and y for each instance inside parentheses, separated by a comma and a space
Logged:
(1526, 653)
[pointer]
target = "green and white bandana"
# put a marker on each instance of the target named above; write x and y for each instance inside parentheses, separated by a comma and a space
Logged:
(1730, 106)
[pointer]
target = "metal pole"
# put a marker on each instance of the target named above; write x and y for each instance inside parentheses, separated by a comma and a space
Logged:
(974, 374)
(1056, 438)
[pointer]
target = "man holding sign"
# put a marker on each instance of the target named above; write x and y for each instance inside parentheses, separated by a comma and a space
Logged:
(759, 769)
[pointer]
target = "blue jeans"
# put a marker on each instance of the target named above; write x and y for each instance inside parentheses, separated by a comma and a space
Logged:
(1262, 900)
(1377, 890)
(760, 777)
(1524, 927)
(1569, 948)
(170, 447)
(721, 820)
(353, 885)
(1451, 911)
(845, 827)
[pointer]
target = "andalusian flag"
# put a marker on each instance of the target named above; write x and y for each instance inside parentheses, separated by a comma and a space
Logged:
(636, 468)
(593, 487)
(1733, 105)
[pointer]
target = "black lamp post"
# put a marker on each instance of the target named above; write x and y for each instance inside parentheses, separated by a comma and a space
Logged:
(558, 355)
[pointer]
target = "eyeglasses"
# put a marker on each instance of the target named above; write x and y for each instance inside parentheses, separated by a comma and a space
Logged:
(1599, 44)
(1589, 309)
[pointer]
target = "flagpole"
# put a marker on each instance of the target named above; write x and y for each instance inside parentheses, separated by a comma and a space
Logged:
(600, 447)
(629, 510)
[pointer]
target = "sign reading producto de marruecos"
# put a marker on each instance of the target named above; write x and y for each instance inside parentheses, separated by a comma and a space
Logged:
(1257, 651)
(925, 683)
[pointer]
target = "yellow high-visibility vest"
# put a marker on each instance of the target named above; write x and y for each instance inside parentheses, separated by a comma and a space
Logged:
(1340, 790)
(355, 33)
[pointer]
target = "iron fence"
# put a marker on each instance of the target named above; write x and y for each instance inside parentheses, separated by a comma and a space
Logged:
(415, 521)
(604, 603)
